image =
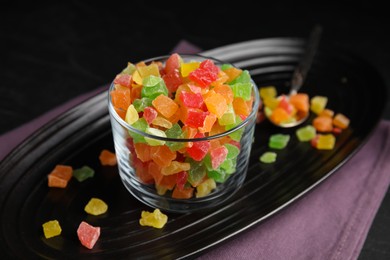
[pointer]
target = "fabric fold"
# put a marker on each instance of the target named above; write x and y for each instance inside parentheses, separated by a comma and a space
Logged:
(329, 222)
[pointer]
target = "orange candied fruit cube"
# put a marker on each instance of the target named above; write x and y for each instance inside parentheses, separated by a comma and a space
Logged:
(241, 107)
(226, 92)
(327, 112)
(162, 155)
(208, 123)
(232, 73)
(185, 193)
(300, 101)
(107, 157)
(216, 103)
(60, 176)
(165, 105)
(121, 99)
(279, 115)
(323, 124)
(143, 151)
(341, 121)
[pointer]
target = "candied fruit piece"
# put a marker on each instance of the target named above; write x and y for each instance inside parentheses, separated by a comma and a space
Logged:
(318, 104)
(268, 92)
(83, 173)
(107, 157)
(88, 234)
(165, 105)
(326, 142)
(323, 123)
(306, 133)
(155, 219)
(51, 228)
(341, 121)
(268, 157)
(96, 206)
(205, 188)
(278, 141)
(60, 176)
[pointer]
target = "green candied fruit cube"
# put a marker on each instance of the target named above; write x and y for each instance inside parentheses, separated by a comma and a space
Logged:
(278, 141)
(153, 86)
(207, 162)
(242, 90)
(83, 173)
(226, 66)
(174, 132)
(196, 173)
(306, 133)
(268, 157)
(140, 125)
(129, 69)
(236, 135)
(244, 77)
(229, 117)
(155, 132)
(218, 175)
(141, 103)
(233, 151)
(229, 165)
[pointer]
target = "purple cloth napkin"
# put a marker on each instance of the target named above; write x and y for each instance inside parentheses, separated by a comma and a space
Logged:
(330, 222)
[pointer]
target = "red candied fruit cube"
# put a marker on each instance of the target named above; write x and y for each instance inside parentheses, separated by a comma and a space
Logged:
(283, 103)
(195, 118)
(181, 180)
(199, 149)
(172, 63)
(150, 114)
(173, 80)
(194, 100)
(209, 66)
(88, 235)
(218, 155)
(123, 80)
(205, 74)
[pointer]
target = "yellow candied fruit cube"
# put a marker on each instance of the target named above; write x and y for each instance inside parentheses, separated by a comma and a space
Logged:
(175, 167)
(96, 207)
(160, 121)
(205, 188)
(51, 228)
(268, 92)
(326, 142)
(137, 78)
(131, 115)
(153, 219)
(318, 104)
(145, 71)
(187, 68)
(271, 102)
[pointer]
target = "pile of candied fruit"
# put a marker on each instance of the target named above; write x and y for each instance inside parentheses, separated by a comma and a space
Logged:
(321, 132)
(183, 100)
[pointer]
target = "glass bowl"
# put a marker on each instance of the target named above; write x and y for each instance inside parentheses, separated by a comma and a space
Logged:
(184, 172)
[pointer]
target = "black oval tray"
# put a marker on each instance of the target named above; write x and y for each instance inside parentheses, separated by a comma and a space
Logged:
(77, 137)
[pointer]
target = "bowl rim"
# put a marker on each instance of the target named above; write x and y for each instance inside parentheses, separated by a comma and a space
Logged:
(246, 121)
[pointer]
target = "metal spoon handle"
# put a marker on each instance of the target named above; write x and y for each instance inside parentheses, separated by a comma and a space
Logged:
(304, 65)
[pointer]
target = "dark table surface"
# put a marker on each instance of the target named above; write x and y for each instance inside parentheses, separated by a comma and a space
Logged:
(53, 51)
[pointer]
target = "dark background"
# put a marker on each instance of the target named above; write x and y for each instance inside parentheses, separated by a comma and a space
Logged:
(50, 52)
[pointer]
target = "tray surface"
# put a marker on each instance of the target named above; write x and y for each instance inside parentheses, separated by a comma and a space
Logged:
(77, 137)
